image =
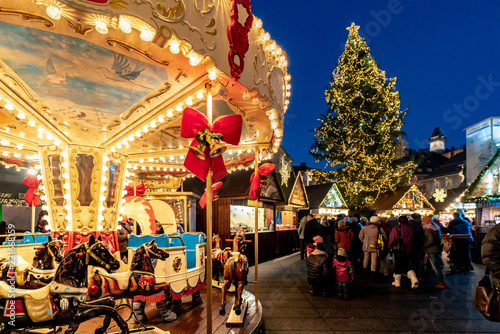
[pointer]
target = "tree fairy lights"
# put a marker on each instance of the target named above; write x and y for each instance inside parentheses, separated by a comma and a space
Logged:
(361, 127)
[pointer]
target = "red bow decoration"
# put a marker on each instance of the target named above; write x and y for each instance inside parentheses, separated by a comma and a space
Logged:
(263, 170)
(138, 190)
(203, 199)
(31, 197)
(194, 122)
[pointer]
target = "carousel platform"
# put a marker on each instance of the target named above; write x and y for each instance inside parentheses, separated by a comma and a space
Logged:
(192, 319)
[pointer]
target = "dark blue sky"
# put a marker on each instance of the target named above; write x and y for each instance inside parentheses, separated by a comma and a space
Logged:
(446, 56)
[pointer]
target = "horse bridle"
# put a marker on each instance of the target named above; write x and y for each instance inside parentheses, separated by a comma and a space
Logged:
(148, 251)
(48, 247)
(89, 254)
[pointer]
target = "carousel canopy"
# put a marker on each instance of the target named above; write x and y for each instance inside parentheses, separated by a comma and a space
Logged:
(118, 74)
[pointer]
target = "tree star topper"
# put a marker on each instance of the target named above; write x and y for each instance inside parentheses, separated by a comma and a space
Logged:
(353, 28)
(440, 195)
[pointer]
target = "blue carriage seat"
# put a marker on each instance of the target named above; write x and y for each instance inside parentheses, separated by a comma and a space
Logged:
(39, 237)
(137, 240)
(191, 240)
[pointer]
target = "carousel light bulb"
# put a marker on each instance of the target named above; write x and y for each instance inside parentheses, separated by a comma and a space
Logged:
(175, 46)
(161, 119)
(255, 100)
(120, 218)
(181, 157)
(45, 207)
(101, 207)
(31, 171)
(21, 134)
(200, 95)
(212, 74)
(147, 35)
(267, 36)
(124, 25)
(138, 133)
(282, 59)
(101, 27)
(104, 168)
(17, 155)
(189, 101)
(195, 60)
(288, 86)
(64, 154)
(124, 141)
(121, 210)
(4, 142)
(66, 185)
(178, 107)
(43, 197)
(21, 115)
(57, 142)
(170, 113)
(119, 146)
(278, 51)
(151, 160)
(31, 123)
(54, 12)
(150, 168)
(246, 95)
(288, 77)
(152, 125)
(103, 188)
(145, 129)
(258, 23)
(104, 178)
(38, 167)
(9, 106)
(105, 158)
(99, 227)
(102, 198)
(67, 207)
(69, 227)
(274, 125)
(49, 136)
(67, 197)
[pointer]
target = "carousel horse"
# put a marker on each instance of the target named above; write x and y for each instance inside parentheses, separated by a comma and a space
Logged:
(235, 272)
(219, 257)
(62, 301)
(138, 280)
(40, 272)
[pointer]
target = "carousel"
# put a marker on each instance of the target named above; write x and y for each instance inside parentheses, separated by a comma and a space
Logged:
(110, 105)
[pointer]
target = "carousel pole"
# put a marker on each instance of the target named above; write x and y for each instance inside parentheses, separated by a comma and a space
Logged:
(256, 234)
(208, 188)
(33, 216)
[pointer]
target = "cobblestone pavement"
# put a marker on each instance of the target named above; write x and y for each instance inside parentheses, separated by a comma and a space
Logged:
(375, 307)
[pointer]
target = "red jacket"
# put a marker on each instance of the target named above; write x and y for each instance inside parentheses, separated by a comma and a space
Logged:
(343, 270)
(343, 237)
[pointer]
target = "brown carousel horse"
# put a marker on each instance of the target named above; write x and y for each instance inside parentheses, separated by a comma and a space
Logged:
(219, 257)
(40, 272)
(62, 301)
(235, 272)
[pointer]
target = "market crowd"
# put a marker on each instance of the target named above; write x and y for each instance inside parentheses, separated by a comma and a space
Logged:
(338, 250)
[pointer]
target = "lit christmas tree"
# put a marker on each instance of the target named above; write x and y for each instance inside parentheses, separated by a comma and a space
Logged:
(361, 127)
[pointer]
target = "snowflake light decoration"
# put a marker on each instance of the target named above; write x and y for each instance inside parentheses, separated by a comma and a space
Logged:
(440, 195)
(285, 170)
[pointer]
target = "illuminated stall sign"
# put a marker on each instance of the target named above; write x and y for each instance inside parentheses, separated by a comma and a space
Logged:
(333, 199)
(413, 200)
(298, 196)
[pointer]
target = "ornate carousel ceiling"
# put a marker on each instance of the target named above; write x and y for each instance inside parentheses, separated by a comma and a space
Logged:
(117, 74)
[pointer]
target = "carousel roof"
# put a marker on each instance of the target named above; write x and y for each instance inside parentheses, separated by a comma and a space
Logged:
(118, 74)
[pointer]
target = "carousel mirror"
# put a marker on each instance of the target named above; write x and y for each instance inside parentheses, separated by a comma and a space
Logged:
(55, 172)
(85, 166)
(114, 174)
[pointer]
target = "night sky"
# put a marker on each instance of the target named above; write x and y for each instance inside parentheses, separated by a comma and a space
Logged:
(446, 57)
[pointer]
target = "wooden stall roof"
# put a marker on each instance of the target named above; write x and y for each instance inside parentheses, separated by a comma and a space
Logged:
(235, 184)
(388, 200)
(298, 194)
(451, 196)
(317, 193)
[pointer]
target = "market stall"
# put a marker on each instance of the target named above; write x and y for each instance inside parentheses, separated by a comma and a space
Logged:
(402, 201)
(326, 199)
(93, 95)
(447, 201)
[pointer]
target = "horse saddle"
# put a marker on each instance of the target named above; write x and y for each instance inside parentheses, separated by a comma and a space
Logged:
(8, 293)
(40, 274)
(18, 271)
(121, 279)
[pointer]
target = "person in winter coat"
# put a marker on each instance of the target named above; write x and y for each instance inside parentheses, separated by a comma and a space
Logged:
(402, 260)
(432, 247)
(300, 232)
(490, 253)
(312, 229)
(343, 236)
(369, 236)
(356, 245)
(317, 267)
(344, 273)
(461, 236)
(123, 231)
(418, 243)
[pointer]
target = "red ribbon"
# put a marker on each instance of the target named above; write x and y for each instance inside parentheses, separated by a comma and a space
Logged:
(203, 199)
(228, 126)
(138, 190)
(32, 182)
(263, 170)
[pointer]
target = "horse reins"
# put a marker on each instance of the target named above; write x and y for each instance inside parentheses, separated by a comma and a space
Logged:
(95, 257)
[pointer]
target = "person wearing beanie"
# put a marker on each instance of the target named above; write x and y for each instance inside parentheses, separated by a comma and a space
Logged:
(343, 236)
(432, 247)
(317, 267)
(402, 259)
(344, 273)
(369, 238)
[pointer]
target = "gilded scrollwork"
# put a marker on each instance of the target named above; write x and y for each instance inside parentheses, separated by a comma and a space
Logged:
(27, 16)
(15, 82)
(129, 47)
(204, 41)
(162, 91)
(172, 14)
(204, 6)
(133, 111)
(78, 28)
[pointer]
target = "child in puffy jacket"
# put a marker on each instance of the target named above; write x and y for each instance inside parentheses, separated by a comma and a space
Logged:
(344, 273)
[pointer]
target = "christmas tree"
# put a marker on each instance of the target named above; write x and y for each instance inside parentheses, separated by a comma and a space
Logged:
(360, 129)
